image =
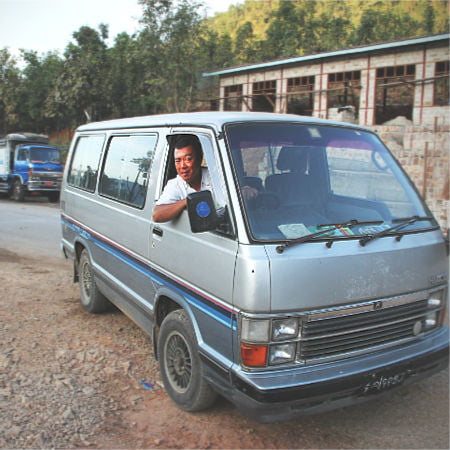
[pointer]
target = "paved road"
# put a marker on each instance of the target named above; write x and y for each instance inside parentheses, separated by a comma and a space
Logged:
(31, 227)
(410, 417)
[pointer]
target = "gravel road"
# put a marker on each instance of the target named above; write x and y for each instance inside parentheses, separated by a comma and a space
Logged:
(69, 379)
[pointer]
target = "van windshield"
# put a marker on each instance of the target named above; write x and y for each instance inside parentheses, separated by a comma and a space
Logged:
(296, 180)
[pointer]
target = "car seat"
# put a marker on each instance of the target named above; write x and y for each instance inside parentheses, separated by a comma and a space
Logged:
(295, 185)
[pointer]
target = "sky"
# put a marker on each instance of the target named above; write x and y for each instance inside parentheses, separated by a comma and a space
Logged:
(48, 25)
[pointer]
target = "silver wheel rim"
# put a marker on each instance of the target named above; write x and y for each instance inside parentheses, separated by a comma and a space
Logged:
(178, 362)
(86, 281)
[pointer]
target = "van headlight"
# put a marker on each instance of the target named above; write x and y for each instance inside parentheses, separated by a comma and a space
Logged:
(431, 320)
(269, 342)
(436, 307)
(284, 329)
(282, 353)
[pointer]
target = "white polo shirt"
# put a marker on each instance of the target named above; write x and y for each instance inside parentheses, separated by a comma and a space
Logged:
(177, 189)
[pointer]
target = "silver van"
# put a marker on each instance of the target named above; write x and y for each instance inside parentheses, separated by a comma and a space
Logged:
(327, 288)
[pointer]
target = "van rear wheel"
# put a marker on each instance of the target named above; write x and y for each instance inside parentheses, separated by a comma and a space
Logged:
(91, 298)
(180, 364)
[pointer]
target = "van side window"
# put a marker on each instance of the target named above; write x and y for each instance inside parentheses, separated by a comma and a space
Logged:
(84, 166)
(126, 169)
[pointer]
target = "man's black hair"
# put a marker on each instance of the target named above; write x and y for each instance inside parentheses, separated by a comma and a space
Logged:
(185, 140)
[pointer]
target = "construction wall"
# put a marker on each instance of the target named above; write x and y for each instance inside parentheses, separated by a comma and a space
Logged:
(376, 98)
(423, 151)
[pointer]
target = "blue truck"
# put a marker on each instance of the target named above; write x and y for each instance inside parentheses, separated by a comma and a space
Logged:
(30, 166)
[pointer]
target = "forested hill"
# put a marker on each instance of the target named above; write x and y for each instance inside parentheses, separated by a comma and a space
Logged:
(270, 29)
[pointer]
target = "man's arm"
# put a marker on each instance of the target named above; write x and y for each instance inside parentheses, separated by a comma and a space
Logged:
(164, 213)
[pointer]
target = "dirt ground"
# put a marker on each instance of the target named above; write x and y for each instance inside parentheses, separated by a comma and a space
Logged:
(69, 379)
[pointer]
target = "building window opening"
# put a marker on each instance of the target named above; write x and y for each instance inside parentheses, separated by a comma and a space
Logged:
(441, 84)
(394, 94)
(264, 96)
(300, 97)
(344, 89)
(233, 98)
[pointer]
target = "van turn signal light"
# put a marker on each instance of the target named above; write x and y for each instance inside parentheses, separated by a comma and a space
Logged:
(254, 355)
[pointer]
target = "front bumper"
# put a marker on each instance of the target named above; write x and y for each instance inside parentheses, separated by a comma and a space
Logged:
(281, 395)
(44, 186)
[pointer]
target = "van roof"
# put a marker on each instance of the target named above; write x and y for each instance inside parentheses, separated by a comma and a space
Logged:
(214, 119)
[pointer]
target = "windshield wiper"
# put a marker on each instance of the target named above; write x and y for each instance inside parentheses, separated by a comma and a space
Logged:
(404, 222)
(308, 237)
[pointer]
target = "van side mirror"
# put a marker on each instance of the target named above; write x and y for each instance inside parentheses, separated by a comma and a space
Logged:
(201, 211)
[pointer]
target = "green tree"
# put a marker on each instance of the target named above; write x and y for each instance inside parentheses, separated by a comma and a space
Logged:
(429, 18)
(171, 41)
(126, 78)
(383, 25)
(283, 37)
(81, 92)
(10, 83)
(215, 51)
(38, 78)
(246, 46)
(333, 26)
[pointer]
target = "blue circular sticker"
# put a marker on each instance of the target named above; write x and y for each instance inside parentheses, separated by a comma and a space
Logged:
(203, 209)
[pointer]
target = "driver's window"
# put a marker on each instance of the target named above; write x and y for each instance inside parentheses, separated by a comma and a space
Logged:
(22, 155)
(210, 168)
(209, 163)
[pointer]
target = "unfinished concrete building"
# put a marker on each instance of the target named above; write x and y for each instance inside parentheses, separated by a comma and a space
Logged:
(369, 85)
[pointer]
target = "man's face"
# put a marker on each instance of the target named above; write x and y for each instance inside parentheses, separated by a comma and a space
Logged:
(186, 164)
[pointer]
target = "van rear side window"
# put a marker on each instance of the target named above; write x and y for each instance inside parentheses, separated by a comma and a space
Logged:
(84, 167)
(127, 164)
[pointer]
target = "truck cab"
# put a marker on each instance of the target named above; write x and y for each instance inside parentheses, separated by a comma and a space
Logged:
(28, 165)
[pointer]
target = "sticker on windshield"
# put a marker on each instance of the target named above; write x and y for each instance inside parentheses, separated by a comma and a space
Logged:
(373, 229)
(297, 230)
(334, 231)
(294, 230)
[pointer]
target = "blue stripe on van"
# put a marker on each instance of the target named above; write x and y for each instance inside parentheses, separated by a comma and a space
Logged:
(223, 314)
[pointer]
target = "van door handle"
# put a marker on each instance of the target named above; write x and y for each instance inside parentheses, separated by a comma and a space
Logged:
(157, 231)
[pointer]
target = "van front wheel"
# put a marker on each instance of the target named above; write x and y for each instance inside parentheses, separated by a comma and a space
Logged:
(92, 299)
(180, 365)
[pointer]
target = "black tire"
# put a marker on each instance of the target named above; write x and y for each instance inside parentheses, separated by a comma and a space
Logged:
(91, 298)
(17, 191)
(53, 197)
(180, 365)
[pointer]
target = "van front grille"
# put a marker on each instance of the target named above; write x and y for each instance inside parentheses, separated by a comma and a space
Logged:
(332, 333)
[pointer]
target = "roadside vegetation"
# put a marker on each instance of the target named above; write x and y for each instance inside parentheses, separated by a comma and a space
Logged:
(160, 68)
